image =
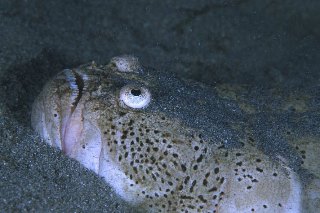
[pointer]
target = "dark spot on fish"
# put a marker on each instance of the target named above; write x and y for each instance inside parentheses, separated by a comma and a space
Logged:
(180, 187)
(130, 122)
(183, 167)
(239, 163)
(205, 182)
(222, 180)
(207, 175)
(216, 170)
(213, 189)
(186, 197)
(202, 199)
(186, 180)
(193, 185)
(259, 169)
(200, 158)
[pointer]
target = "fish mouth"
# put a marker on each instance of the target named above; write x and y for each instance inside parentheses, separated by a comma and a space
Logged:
(72, 120)
(55, 113)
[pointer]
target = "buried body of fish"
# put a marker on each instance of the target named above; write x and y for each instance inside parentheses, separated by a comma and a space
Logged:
(164, 144)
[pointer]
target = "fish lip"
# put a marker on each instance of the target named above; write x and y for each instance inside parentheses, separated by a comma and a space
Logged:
(76, 81)
(80, 85)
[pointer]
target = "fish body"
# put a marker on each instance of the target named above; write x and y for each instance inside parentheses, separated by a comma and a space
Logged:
(171, 145)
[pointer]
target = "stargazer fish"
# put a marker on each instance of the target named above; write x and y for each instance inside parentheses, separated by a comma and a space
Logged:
(171, 145)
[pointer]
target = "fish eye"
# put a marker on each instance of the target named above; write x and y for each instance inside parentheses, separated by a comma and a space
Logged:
(136, 97)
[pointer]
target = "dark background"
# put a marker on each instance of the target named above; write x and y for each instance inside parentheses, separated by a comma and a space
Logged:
(245, 41)
(274, 44)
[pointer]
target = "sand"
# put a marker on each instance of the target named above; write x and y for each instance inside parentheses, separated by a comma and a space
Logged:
(244, 42)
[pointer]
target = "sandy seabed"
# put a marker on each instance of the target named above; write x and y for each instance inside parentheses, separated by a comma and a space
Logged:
(251, 42)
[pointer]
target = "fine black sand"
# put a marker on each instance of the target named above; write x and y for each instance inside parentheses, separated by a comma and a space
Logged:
(268, 43)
